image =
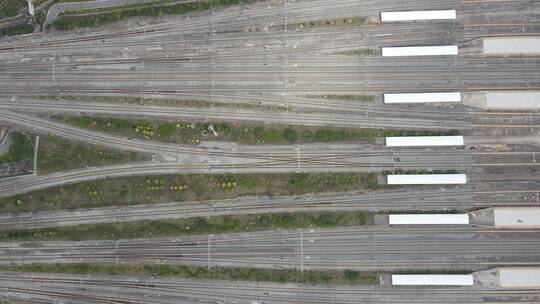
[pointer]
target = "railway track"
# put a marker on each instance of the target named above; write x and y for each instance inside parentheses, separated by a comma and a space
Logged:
(211, 22)
(336, 250)
(309, 296)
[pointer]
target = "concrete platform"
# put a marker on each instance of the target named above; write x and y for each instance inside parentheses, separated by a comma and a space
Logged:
(518, 218)
(507, 217)
(503, 100)
(519, 277)
(524, 45)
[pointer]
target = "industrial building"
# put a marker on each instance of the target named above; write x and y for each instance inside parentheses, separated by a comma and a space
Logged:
(422, 97)
(424, 141)
(420, 51)
(524, 45)
(433, 280)
(426, 179)
(418, 15)
(428, 219)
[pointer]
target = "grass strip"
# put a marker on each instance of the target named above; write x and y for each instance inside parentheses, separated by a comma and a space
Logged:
(10, 8)
(97, 17)
(17, 30)
(57, 154)
(350, 21)
(166, 102)
(409, 172)
(20, 149)
(203, 273)
(185, 132)
(180, 188)
(357, 52)
(191, 226)
(363, 98)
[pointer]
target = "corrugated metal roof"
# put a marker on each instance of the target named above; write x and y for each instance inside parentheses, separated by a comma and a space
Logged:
(421, 141)
(433, 279)
(422, 97)
(426, 179)
(418, 15)
(428, 219)
(420, 51)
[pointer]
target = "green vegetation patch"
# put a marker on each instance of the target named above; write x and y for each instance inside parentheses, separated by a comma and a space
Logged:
(20, 149)
(331, 23)
(363, 98)
(178, 188)
(167, 102)
(401, 171)
(357, 52)
(57, 154)
(194, 132)
(17, 30)
(203, 273)
(97, 17)
(10, 8)
(191, 226)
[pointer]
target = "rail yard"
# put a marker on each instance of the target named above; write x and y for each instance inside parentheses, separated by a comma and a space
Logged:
(270, 151)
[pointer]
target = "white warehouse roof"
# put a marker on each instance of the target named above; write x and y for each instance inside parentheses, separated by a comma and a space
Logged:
(420, 51)
(428, 219)
(426, 179)
(519, 277)
(422, 97)
(515, 217)
(511, 45)
(433, 279)
(424, 141)
(418, 15)
(513, 100)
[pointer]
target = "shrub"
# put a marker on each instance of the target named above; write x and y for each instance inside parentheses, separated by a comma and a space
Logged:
(290, 135)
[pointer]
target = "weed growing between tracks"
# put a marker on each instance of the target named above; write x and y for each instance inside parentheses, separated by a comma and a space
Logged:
(202, 273)
(362, 98)
(178, 188)
(357, 52)
(10, 8)
(350, 21)
(166, 102)
(20, 149)
(404, 172)
(17, 30)
(192, 226)
(57, 154)
(100, 16)
(194, 132)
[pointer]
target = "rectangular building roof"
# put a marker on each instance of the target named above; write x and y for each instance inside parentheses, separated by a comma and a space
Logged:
(424, 141)
(516, 217)
(511, 45)
(418, 15)
(428, 219)
(420, 51)
(513, 100)
(422, 97)
(426, 179)
(519, 277)
(433, 280)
